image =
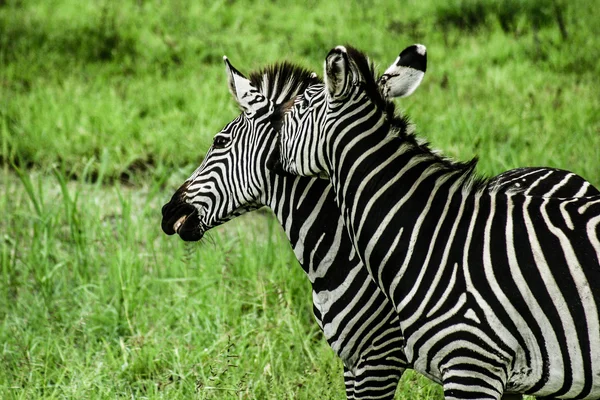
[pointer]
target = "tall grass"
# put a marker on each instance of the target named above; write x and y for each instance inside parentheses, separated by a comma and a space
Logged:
(96, 303)
(106, 107)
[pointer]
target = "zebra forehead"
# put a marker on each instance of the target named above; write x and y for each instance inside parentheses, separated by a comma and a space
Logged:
(281, 82)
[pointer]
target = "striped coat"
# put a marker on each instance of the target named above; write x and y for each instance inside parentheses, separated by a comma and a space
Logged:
(497, 290)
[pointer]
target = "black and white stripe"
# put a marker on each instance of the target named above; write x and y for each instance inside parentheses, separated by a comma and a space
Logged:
(497, 287)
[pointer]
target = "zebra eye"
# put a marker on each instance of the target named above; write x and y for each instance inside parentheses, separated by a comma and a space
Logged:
(220, 142)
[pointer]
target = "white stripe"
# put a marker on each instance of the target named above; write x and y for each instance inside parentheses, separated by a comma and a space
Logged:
(425, 268)
(589, 307)
(556, 373)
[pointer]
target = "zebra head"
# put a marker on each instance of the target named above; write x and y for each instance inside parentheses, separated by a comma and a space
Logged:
(230, 180)
(351, 95)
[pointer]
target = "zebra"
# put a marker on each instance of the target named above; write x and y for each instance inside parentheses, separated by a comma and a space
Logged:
(357, 320)
(342, 289)
(497, 291)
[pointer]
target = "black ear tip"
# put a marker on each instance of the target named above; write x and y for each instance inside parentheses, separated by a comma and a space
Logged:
(414, 56)
(231, 68)
(337, 51)
(415, 48)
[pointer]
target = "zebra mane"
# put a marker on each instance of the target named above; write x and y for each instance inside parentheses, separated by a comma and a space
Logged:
(366, 69)
(282, 82)
(403, 130)
(401, 127)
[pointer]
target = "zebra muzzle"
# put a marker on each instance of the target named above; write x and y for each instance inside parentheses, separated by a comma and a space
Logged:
(178, 217)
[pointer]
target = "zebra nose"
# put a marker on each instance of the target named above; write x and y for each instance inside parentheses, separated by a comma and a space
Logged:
(175, 210)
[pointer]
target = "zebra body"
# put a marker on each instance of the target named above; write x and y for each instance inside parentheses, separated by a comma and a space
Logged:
(497, 290)
(306, 209)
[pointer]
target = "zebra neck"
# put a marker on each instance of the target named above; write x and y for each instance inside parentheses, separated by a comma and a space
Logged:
(387, 194)
(297, 203)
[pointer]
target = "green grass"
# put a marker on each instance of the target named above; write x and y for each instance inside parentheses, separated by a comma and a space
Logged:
(106, 107)
(95, 302)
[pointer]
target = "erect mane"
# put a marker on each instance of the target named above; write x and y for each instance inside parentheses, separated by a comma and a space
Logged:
(366, 68)
(403, 130)
(283, 81)
(401, 127)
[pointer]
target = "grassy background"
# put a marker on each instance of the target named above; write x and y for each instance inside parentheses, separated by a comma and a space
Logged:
(106, 107)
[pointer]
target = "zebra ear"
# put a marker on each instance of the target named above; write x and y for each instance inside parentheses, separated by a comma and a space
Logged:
(240, 87)
(405, 74)
(338, 72)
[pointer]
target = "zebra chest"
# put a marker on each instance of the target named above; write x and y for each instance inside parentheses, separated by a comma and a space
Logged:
(337, 307)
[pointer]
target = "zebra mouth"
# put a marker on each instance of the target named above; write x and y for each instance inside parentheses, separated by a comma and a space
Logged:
(183, 219)
(189, 227)
(179, 223)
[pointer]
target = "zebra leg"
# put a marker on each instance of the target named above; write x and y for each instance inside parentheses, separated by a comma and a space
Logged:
(376, 381)
(349, 382)
(475, 389)
(510, 396)
(474, 381)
